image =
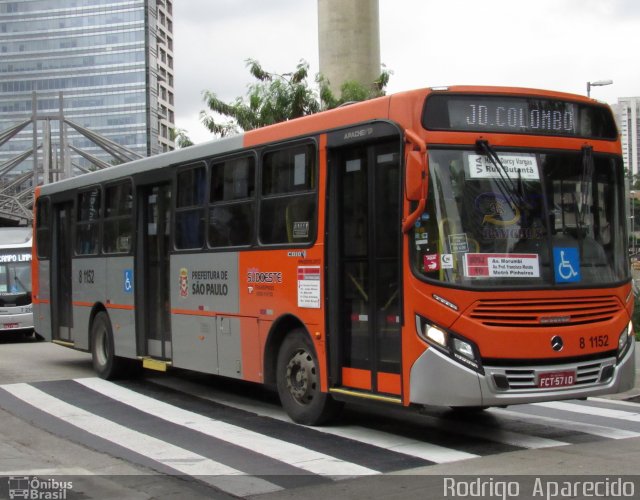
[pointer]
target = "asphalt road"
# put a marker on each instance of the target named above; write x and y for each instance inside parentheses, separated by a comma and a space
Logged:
(501, 442)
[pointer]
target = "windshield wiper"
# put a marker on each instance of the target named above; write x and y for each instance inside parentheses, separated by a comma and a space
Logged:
(506, 185)
(586, 179)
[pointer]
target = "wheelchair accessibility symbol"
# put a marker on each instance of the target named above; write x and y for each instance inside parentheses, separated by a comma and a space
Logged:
(128, 281)
(566, 265)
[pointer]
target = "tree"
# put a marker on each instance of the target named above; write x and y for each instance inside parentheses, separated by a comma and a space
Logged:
(275, 98)
(181, 138)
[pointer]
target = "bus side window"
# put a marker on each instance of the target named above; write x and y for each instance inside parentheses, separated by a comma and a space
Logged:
(232, 203)
(43, 235)
(118, 208)
(190, 212)
(87, 225)
(288, 204)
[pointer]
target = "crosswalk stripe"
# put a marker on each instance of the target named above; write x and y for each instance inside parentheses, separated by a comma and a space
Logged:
(593, 429)
(496, 434)
(592, 410)
(616, 402)
(420, 449)
(217, 474)
(413, 447)
(292, 454)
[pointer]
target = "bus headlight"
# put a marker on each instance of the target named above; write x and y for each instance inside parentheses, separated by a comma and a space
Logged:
(462, 350)
(434, 334)
(624, 340)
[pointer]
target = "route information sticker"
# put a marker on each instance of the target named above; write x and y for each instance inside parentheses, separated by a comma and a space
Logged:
(514, 166)
(501, 265)
(309, 287)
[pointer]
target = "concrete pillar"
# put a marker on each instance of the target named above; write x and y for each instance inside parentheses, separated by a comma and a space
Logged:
(349, 41)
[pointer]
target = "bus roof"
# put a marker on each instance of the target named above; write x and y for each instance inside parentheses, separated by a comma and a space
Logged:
(352, 114)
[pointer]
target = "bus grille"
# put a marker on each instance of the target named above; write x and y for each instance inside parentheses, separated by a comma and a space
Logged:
(588, 372)
(545, 312)
(591, 372)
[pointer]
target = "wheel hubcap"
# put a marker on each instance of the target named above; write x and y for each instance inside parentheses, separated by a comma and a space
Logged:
(301, 377)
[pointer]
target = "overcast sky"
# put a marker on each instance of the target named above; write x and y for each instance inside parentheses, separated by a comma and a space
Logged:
(551, 44)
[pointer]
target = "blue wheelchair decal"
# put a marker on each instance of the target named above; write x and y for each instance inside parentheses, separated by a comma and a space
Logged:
(566, 265)
(128, 281)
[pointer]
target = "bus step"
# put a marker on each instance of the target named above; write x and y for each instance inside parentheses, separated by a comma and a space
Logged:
(65, 343)
(155, 364)
(366, 395)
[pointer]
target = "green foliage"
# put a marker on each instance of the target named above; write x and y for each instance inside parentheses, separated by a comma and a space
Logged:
(181, 138)
(275, 98)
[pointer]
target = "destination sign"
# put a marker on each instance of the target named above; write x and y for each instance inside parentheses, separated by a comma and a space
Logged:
(522, 115)
(6, 258)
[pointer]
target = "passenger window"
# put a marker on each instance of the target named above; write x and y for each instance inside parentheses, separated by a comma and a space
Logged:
(43, 232)
(87, 225)
(288, 204)
(118, 209)
(232, 204)
(190, 212)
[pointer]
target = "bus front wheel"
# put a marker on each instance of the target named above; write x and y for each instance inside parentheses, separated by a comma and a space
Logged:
(298, 381)
(105, 362)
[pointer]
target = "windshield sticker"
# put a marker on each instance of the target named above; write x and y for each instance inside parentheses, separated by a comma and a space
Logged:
(566, 265)
(431, 262)
(515, 166)
(501, 265)
(446, 261)
(421, 237)
(458, 243)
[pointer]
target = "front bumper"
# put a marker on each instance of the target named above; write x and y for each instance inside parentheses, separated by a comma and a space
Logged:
(437, 379)
(17, 322)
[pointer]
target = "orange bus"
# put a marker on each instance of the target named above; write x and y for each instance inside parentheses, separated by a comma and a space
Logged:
(461, 246)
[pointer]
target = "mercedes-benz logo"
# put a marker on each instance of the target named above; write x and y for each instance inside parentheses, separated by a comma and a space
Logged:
(556, 343)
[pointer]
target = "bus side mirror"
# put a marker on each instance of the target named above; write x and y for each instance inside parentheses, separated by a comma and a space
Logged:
(415, 176)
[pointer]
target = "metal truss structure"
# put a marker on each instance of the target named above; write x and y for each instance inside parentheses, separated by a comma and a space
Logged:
(51, 162)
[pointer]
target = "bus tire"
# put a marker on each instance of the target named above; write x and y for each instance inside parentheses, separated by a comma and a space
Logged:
(298, 382)
(105, 362)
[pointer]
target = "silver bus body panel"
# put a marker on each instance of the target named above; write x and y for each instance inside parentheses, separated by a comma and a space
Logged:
(204, 295)
(88, 278)
(120, 304)
(437, 379)
(42, 310)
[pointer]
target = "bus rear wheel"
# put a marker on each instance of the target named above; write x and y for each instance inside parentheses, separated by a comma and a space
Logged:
(105, 362)
(298, 381)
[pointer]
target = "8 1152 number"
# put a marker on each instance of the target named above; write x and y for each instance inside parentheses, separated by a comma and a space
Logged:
(594, 341)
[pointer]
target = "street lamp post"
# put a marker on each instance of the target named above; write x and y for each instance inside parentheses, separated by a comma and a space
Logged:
(599, 83)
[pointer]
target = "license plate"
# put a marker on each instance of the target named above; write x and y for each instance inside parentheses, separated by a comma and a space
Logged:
(11, 325)
(556, 379)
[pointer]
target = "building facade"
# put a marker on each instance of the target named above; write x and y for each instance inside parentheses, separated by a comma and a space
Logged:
(107, 63)
(628, 115)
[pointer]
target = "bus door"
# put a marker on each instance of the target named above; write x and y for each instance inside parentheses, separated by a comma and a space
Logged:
(364, 238)
(61, 282)
(152, 268)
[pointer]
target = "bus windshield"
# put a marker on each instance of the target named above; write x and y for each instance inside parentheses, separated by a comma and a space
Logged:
(15, 277)
(522, 218)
